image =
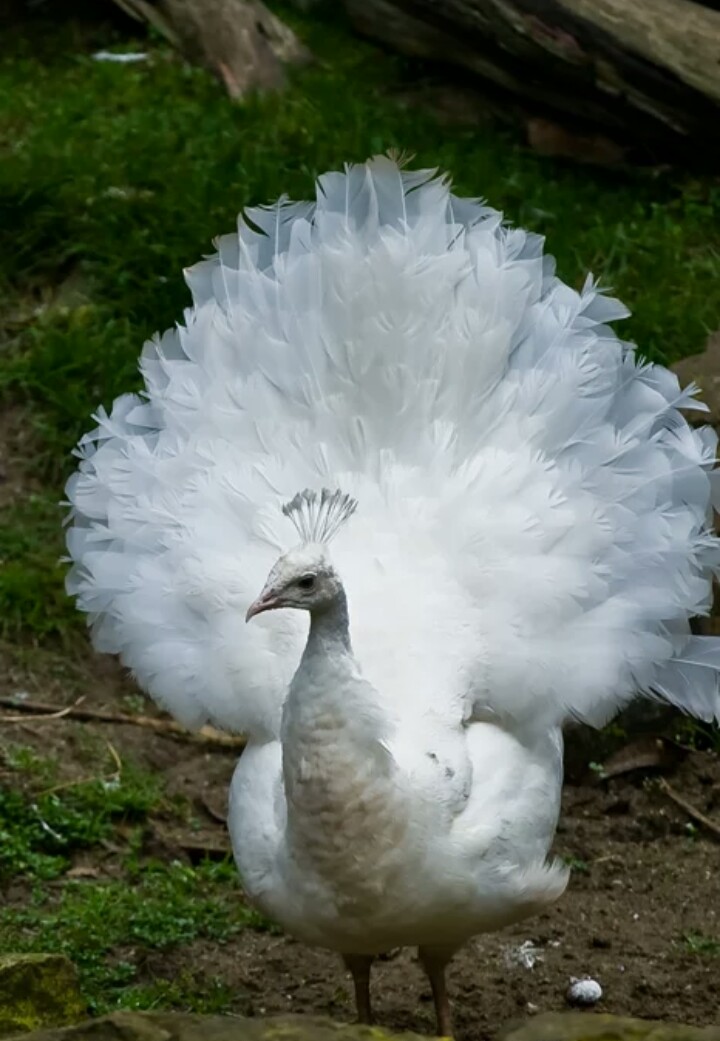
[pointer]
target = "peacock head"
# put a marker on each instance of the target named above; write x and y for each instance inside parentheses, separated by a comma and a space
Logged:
(304, 577)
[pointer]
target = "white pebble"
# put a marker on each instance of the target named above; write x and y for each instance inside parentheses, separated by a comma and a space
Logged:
(583, 992)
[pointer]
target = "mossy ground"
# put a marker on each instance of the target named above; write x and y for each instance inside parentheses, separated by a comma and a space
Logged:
(113, 178)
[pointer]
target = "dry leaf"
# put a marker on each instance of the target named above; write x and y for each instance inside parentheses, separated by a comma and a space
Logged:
(82, 871)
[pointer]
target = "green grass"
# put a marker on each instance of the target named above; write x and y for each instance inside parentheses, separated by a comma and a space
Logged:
(108, 925)
(577, 864)
(119, 176)
(40, 831)
(108, 928)
(32, 594)
(186, 993)
(705, 946)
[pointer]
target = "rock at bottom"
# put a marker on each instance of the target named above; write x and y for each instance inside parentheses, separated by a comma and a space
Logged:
(175, 1026)
(179, 1026)
(597, 1026)
(38, 990)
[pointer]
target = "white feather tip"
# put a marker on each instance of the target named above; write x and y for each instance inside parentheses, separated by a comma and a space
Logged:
(318, 518)
(399, 157)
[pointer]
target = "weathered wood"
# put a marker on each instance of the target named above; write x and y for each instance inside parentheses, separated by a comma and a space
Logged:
(648, 70)
(240, 41)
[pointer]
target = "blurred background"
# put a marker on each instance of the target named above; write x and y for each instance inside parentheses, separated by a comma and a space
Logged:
(131, 134)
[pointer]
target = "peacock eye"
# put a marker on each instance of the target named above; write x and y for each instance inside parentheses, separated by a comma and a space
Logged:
(308, 582)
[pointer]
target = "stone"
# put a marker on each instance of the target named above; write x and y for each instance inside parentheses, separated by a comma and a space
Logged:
(596, 1026)
(176, 1026)
(583, 993)
(38, 990)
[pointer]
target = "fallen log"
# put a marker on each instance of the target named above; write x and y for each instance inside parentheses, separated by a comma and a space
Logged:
(646, 72)
(242, 42)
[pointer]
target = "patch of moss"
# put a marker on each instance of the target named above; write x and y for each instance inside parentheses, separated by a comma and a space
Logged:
(38, 990)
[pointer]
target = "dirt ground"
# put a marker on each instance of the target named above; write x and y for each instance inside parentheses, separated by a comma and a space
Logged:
(644, 882)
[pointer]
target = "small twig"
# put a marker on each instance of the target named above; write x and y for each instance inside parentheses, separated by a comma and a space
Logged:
(118, 761)
(208, 849)
(38, 710)
(50, 715)
(694, 814)
(95, 779)
(27, 728)
(115, 775)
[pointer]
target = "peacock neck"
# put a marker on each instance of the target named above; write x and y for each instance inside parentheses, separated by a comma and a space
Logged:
(330, 629)
(341, 808)
(329, 685)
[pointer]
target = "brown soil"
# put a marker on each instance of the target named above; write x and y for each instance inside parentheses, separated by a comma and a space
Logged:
(644, 882)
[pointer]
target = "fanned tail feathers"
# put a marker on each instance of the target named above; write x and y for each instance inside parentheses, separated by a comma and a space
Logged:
(534, 530)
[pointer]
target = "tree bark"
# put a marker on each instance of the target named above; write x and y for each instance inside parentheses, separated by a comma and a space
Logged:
(643, 70)
(240, 41)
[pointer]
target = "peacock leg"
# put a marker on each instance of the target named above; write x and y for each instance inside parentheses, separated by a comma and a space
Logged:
(359, 965)
(434, 961)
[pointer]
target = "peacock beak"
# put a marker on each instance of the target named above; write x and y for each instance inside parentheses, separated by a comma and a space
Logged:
(265, 602)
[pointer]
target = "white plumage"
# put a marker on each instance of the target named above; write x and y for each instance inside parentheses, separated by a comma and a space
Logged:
(532, 536)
